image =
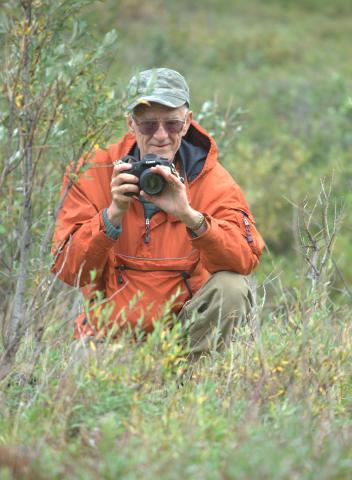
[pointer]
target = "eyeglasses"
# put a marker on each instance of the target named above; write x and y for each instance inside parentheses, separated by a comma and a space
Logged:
(149, 127)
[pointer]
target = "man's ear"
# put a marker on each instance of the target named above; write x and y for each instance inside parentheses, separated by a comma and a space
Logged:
(130, 125)
(187, 123)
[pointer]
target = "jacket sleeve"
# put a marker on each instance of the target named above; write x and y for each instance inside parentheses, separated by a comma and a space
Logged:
(231, 241)
(80, 244)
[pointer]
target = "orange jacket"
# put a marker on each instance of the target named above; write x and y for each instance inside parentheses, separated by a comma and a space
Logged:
(138, 279)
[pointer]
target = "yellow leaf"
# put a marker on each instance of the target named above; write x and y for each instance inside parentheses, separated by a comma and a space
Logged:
(18, 100)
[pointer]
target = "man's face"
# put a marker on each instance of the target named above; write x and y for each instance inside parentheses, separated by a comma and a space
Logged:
(165, 140)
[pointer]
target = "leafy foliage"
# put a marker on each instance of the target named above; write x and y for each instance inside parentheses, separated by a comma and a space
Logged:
(56, 105)
(278, 397)
(271, 80)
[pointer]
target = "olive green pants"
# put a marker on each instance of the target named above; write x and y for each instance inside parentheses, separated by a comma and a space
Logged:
(224, 302)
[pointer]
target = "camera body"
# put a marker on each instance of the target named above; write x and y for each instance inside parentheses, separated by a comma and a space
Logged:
(150, 182)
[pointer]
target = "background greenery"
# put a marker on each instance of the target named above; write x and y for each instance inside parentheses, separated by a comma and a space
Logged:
(272, 81)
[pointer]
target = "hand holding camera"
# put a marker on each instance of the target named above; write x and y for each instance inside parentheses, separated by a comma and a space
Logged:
(130, 177)
(149, 181)
(158, 181)
(122, 183)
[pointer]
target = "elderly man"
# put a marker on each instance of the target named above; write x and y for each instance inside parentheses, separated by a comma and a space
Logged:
(156, 221)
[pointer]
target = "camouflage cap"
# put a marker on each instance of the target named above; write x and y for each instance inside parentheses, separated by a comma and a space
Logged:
(160, 85)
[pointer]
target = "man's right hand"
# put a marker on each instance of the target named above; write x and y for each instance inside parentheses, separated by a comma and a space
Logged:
(121, 183)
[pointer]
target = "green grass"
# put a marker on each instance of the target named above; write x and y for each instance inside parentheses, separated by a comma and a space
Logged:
(277, 405)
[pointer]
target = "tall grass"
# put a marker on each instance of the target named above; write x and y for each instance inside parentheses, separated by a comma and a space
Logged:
(277, 404)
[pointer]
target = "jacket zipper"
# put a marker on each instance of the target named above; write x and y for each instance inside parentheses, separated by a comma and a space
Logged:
(147, 231)
(247, 228)
(185, 275)
(120, 268)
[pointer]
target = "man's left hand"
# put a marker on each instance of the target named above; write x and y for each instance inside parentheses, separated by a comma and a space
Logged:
(173, 199)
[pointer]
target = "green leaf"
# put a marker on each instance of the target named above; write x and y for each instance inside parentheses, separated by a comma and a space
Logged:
(4, 23)
(2, 132)
(93, 274)
(110, 38)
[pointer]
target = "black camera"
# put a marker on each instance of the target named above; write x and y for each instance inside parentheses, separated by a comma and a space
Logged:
(150, 182)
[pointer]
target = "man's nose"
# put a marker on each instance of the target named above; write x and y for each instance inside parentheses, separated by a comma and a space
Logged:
(161, 132)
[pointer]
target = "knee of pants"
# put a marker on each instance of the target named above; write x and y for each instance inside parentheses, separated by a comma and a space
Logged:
(233, 289)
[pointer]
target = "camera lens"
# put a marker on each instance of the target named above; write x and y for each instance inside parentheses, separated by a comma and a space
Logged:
(151, 183)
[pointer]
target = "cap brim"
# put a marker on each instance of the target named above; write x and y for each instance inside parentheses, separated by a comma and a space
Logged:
(167, 100)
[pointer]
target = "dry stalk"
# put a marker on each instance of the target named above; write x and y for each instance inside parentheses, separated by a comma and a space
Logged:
(318, 228)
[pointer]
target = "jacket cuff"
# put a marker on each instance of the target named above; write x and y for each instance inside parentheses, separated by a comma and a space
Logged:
(110, 230)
